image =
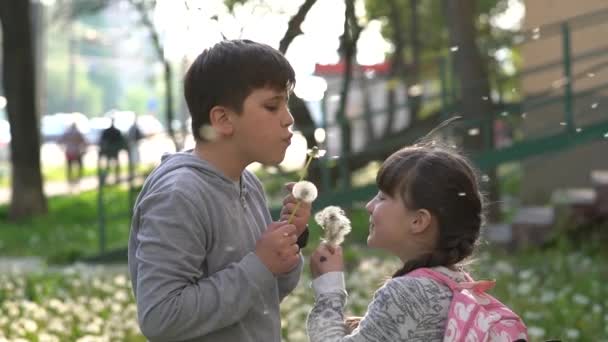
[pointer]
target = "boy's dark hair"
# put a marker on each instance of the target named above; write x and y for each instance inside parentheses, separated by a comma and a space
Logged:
(227, 73)
(440, 180)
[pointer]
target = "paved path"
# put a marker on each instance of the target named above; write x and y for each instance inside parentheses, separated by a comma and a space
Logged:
(54, 188)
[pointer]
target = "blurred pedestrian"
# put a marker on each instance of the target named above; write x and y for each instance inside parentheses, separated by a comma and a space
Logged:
(134, 135)
(111, 143)
(74, 146)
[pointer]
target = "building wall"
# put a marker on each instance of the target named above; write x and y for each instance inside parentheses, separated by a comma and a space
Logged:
(543, 174)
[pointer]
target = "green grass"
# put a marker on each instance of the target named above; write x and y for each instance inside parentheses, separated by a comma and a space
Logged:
(71, 228)
(558, 289)
(58, 173)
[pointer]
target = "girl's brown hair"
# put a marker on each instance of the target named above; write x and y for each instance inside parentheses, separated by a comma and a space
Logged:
(436, 178)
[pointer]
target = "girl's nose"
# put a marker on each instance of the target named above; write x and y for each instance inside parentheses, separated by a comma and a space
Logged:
(370, 206)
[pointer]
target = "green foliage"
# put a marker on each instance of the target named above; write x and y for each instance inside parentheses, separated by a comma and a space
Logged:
(135, 99)
(106, 78)
(88, 97)
(70, 230)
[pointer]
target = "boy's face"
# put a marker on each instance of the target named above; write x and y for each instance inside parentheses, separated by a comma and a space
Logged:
(262, 130)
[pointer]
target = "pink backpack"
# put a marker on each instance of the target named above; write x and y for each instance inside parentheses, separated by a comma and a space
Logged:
(475, 316)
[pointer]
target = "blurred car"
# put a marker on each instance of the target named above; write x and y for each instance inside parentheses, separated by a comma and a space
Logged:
(148, 125)
(52, 126)
(5, 140)
(96, 126)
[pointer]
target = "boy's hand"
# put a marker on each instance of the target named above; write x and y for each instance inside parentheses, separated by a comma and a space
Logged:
(277, 248)
(326, 258)
(301, 217)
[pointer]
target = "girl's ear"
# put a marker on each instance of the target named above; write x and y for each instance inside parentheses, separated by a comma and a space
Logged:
(219, 117)
(421, 221)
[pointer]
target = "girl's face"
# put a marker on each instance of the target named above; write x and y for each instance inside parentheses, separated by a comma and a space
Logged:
(388, 223)
(398, 230)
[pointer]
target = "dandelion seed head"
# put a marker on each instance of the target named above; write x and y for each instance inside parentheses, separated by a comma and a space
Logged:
(335, 224)
(315, 152)
(305, 191)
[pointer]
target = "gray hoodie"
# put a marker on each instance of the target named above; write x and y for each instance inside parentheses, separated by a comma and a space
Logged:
(191, 256)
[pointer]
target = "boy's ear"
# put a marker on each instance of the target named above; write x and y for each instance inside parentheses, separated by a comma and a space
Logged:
(219, 118)
(421, 221)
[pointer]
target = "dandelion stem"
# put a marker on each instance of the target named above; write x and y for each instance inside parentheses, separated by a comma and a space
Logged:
(304, 171)
(293, 213)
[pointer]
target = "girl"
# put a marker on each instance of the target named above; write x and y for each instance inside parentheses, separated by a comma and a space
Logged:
(428, 212)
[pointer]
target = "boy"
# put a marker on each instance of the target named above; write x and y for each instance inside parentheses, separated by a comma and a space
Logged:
(206, 261)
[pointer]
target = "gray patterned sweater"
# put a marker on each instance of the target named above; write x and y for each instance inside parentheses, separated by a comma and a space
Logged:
(404, 309)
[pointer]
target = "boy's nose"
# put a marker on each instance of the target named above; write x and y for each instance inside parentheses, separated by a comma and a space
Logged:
(288, 120)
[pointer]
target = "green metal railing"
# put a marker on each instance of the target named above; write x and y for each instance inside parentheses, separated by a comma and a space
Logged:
(571, 131)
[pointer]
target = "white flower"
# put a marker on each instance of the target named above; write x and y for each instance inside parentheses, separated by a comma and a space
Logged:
(335, 223)
(573, 333)
(120, 280)
(524, 288)
(305, 191)
(536, 332)
(547, 297)
(580, 299)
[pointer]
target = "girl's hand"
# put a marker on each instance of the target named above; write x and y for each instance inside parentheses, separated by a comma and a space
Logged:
(352, 323)
(326, 258)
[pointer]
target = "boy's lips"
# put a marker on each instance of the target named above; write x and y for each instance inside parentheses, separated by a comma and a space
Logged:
(288, 139)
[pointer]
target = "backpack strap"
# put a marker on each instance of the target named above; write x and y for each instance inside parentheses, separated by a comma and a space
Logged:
(438, 276)
(476, 286)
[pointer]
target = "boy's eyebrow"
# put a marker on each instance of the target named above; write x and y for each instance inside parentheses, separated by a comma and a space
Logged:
(277, 97)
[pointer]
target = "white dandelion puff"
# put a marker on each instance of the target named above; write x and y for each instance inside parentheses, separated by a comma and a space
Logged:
(305, 191)
(312, 153)
(334, 222)
(207, 132)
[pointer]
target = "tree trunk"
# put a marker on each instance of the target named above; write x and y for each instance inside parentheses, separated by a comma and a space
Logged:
(169, 114)
(348, 51)
(474, 87)
(144, 10)
(300, 112)
(367, 108)
(20, 88)
(414, 70)
(397, 66)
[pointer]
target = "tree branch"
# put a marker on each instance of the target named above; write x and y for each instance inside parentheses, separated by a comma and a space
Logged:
(143, 10)
(294, 26)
